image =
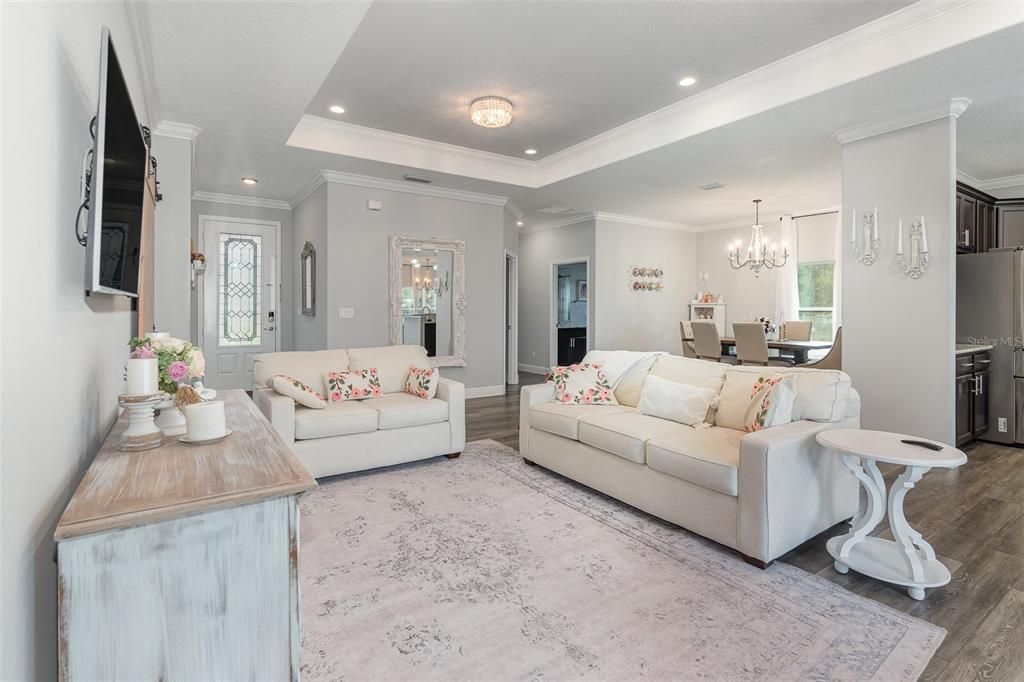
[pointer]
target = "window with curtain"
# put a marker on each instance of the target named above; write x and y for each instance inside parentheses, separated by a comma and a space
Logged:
(814, 281)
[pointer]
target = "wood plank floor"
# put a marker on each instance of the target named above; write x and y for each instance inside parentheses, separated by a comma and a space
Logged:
(973, 517)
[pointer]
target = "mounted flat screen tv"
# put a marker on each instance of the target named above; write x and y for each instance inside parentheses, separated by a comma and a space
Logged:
(114, 243)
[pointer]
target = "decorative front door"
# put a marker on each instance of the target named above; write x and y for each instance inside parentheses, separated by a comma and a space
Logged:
(239, 298)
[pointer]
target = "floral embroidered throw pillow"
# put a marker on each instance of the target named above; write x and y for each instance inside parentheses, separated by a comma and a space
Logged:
(356, 384)
(771, 403)
(299, 392)
(582, 384)
(422, 382)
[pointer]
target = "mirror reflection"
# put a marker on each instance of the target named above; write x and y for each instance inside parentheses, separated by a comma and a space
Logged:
(426, 299)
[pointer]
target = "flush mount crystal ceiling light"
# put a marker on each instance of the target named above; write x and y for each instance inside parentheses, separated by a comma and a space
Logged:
(249, 181)
(491, 112)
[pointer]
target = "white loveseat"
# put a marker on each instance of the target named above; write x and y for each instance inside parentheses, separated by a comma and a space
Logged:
(761, 493)
(362, 434)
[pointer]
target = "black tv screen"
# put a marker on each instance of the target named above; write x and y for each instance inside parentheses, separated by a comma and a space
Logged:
(118, 184)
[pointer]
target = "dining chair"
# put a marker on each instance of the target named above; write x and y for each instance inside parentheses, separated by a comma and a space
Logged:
(752, 345)
(833, 359)
(686, 337)
(707, 344)
(797, 330)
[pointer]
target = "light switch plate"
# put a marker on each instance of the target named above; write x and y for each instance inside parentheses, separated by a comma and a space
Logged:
(346, 313)
(374, 205)
(1002, 425)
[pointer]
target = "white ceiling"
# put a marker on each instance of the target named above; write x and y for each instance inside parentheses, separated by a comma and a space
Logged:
(572, 70)
(245, 73)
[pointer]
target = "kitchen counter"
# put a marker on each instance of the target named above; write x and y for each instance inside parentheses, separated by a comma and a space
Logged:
(969, 348)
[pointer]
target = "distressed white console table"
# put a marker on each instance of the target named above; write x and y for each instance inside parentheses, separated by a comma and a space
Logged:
(908, 560)
(179, 563)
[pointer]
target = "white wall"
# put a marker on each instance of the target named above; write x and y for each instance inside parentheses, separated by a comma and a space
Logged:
(287, 305)
(172, 269)
(537, 251)
(56, 342)
(898, 332)
(357, 270)
(641, 320)
(309, 224)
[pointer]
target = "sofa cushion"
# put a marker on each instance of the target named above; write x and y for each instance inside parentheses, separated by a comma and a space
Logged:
(625, 434)
(306, 366)
(399, 410)
(700, 373)
(392, 363)
(563, 420)
(337, 419)
(709, 458)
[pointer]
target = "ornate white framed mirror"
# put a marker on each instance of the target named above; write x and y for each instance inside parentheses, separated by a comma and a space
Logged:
(308, 267)
(428, 297)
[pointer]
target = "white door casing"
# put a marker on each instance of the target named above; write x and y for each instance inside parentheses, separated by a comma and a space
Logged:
(239, 300)
(511, 317)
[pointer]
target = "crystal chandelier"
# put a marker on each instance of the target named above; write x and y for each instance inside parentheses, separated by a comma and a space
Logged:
(426, 278)
(491, 112)
(759, 255)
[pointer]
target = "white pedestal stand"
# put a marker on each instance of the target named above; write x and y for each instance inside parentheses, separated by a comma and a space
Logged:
(908, 560)
(142, 433)
(170, 420)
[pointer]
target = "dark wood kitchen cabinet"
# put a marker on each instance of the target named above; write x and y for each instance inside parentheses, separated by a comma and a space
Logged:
(976, 228)
(971, 396)
(572, 345)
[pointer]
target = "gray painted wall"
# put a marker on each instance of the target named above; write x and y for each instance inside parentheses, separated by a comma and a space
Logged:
(906, 388)
(287, 306)
(537, 252)
(357, 270)
(641, 320)
(172, 303)
(309, 223)
(54, 338)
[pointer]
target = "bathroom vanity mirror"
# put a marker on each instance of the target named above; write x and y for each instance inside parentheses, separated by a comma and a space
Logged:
(428, 297)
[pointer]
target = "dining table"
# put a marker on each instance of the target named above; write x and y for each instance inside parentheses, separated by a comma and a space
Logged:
(797, 349)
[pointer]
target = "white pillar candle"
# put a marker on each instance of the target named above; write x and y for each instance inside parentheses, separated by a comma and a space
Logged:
(874, 227)
(924, 237)
(899, 237)
(142, 376)
(853, 226)
(158, 335)
(205, 420)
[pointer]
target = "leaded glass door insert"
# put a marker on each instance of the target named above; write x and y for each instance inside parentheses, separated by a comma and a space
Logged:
(239, 281)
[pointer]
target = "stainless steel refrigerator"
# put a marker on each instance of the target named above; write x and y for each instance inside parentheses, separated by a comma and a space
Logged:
(990, 310)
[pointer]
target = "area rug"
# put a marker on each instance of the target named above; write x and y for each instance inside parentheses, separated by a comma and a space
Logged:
(482, 568)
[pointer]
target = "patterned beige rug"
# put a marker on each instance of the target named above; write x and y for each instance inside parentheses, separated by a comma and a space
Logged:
(482, 568)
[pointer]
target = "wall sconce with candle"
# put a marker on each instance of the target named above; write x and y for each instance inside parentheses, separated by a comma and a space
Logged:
(914, 263)
(865, 249)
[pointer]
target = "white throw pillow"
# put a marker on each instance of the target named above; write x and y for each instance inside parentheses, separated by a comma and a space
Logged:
(422, 382)
(297, 391)
(679, 402)
(771, 405)
(583, 384)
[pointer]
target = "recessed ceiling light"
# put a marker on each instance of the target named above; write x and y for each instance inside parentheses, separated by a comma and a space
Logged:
(249, 181)
(519, 223)
(531, 152)
(337, 109)
(688, 81)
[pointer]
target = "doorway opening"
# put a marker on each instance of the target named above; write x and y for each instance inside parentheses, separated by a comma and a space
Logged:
(571, 336)
(511, 318)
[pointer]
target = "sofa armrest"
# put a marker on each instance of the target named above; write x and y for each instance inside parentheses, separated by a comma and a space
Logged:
(454, 393)
(791, 488)
(528, 397)
(279, 411)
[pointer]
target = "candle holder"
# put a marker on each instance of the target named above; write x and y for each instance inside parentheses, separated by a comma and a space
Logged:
(142, 432)
(915, 263)
(865, 249)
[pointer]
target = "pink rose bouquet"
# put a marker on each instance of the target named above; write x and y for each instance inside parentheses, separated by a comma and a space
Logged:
(178, 361)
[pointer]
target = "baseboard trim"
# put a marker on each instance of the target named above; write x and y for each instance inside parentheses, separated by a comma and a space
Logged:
(485, 391)
(533, 369)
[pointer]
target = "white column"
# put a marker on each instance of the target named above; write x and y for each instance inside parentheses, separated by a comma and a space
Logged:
(899, 333)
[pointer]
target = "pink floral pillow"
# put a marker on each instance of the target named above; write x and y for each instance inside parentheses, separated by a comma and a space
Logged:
(771, 403)
(422, 382)
(299, 392)
(353, 385)
(583, 384)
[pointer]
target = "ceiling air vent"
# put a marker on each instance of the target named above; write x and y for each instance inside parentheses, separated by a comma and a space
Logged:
(712, 185)
(418, 178)
(557, 210)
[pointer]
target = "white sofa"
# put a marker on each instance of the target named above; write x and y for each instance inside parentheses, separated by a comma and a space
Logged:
(362, 434)
(761, 493)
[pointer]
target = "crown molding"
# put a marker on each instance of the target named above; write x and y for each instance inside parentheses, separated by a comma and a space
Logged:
(642, 222)
(138, 26)
(341, 178)
(182, 131)
(1001, 183)
(926, 114)
(512, 208)
(556, 224)
(238, 200)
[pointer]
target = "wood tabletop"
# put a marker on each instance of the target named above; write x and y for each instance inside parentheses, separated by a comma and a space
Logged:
(123, 489)
(780, 345)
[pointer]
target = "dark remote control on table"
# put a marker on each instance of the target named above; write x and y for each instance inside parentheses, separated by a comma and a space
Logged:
(922, 444)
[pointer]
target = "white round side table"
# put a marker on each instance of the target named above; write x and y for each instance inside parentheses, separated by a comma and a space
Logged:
(909, 560)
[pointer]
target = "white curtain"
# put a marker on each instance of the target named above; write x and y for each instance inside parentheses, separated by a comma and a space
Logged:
(837, 274)
(787, 293)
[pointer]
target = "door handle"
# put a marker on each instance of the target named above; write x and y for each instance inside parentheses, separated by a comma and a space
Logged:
(974, 382)
(981, 384)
